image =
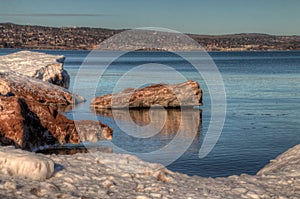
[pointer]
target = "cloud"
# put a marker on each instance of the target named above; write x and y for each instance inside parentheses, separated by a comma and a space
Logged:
(53, 15)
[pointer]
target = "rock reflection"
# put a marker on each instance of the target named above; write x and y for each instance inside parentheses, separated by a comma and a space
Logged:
(167, 121)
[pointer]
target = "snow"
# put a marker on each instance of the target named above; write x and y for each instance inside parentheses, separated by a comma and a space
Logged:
(16, 162)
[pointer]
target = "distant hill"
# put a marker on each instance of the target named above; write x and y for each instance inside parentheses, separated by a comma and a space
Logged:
(85, 38)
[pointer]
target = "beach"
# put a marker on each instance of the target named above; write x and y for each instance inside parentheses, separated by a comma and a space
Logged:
(102, 175)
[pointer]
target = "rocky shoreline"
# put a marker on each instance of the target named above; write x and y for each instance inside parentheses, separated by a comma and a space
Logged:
(31, 101)
(29, 121)
(103, 175)
(32, 93)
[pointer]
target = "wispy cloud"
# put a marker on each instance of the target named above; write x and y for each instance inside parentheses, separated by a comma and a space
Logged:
(53, 15)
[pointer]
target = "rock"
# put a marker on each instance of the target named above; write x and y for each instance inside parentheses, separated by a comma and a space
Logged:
(37, 65)
(16, 124)
(25, 164)
(30, 125)
(65, 130)
(169, 96)
(37, 90)
(93, 131)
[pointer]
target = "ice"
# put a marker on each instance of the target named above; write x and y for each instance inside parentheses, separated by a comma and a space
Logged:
(16, 162)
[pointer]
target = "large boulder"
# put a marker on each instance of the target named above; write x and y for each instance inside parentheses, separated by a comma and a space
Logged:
(168, 96)
(35, 89)
(37, 65)
(30, 125)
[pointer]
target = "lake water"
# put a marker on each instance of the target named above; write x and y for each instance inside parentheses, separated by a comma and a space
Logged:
(262, 117)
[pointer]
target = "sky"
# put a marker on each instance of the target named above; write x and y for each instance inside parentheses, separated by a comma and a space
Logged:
(278, 17)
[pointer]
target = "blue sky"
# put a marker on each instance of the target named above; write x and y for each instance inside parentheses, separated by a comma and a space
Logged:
(279, 17)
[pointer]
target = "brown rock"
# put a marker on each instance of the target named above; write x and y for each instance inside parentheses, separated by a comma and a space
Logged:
(169, 96)
(19, 125)
(37, 90)
(93, 131)
(29, 125)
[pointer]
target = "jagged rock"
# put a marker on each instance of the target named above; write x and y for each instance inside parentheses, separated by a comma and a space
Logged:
(30, 125)
(92, 131)
(18, 123)
(25, 164)
(37, 65)
(34, 89)
(169, 96)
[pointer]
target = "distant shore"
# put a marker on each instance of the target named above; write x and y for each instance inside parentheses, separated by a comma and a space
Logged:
(84, 38)
(88, 50)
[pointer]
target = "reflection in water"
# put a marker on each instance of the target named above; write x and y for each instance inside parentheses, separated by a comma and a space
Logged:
(155, 135)
(164, 133)
(164, 121)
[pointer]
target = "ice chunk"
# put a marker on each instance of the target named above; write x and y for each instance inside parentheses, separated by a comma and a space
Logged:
(16, 162)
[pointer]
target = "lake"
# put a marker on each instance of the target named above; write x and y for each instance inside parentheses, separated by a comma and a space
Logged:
(262, 116)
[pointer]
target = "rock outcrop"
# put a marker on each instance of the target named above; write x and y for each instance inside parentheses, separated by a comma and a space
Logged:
(168, 96)
(37, 65)
(30, 104)
(25, 164)
(37, 90)
(30, 125)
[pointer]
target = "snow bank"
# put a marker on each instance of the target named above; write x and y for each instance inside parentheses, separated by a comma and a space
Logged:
(25, 164)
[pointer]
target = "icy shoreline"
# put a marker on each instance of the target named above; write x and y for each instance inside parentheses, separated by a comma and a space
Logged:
(107, 176)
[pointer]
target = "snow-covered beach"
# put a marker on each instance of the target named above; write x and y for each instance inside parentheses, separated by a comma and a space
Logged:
(104, 175)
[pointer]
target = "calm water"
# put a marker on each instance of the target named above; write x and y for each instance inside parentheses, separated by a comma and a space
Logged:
(262, 119)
